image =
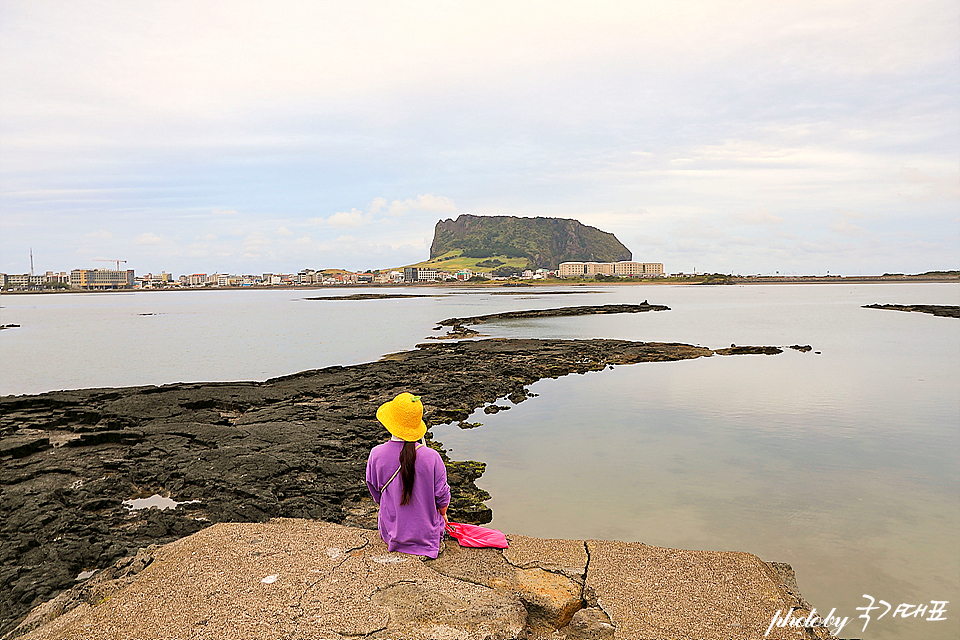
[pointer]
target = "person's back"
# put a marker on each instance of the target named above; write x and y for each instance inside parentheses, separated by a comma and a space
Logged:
(415, 527)
(408, 481)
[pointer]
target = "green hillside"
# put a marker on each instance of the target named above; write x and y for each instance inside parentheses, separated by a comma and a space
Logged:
(529, 242)
(455, 260)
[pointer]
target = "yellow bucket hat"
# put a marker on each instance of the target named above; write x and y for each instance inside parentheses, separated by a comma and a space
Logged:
(403, 417)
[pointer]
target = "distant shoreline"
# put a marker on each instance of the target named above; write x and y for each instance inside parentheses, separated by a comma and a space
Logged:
(695, 280)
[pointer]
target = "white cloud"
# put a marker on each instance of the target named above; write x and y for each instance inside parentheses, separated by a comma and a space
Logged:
(377, 205)
(924, 186)
(848, 213)
(758, 216)
(426, 202)
(576, 112)
(256, 244)
(697, 229)
(845, 228)
(148, 239)
(348, 219)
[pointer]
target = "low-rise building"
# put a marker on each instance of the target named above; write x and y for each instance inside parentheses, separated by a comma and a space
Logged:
(638, 269)
(345, 278)
(389, 277)
(420, 274)
(308, 276)
(156, 280)
(24, 281)
(625, 268)
(585, 269)
(101, 279)
(428, 275)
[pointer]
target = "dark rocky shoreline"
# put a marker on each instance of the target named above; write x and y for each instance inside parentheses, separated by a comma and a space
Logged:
(459, 329)
(294, 446)
(942, 310)
(378, 296)
(586, 310)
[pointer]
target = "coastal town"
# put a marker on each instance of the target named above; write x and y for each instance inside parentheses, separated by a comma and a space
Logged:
(109, 279)
(622, 272)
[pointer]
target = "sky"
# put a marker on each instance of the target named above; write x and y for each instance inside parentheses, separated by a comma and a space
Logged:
(246, 137)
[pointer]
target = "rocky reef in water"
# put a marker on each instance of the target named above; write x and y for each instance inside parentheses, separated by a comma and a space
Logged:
(942, 310)
(458, 326)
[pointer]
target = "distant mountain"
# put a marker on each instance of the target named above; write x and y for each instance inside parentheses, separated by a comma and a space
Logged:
(544, 242)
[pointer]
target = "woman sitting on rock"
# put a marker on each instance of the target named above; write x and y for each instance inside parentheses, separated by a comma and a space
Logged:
(408, 480)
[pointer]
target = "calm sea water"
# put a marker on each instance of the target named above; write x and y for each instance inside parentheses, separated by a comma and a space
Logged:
(843, 463)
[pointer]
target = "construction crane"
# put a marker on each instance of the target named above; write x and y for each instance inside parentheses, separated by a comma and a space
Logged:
(108, 260)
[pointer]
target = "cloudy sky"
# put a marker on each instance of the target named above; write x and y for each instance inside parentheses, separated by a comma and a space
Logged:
(747, 137)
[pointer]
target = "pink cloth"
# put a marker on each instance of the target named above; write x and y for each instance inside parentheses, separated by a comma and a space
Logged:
(417, 526)
(471, 535)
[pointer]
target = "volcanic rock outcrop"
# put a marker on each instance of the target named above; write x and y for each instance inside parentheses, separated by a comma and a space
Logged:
(292, 447)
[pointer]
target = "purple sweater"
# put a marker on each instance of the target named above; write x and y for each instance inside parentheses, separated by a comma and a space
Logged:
(417, 526)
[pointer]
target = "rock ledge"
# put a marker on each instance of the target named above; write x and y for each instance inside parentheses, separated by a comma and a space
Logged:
(291, 578)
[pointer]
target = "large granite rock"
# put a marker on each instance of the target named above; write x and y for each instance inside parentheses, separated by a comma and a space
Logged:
(304, 579)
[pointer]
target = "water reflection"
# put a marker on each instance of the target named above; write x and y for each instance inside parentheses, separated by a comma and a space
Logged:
(156, 501)
(843, 464)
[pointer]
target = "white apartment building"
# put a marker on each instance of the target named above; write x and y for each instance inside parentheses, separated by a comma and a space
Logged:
(584, 269)
(624, 268)
(638, 269)
(427, 275)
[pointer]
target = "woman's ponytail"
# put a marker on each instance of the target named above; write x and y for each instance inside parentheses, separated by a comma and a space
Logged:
(408, 466)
